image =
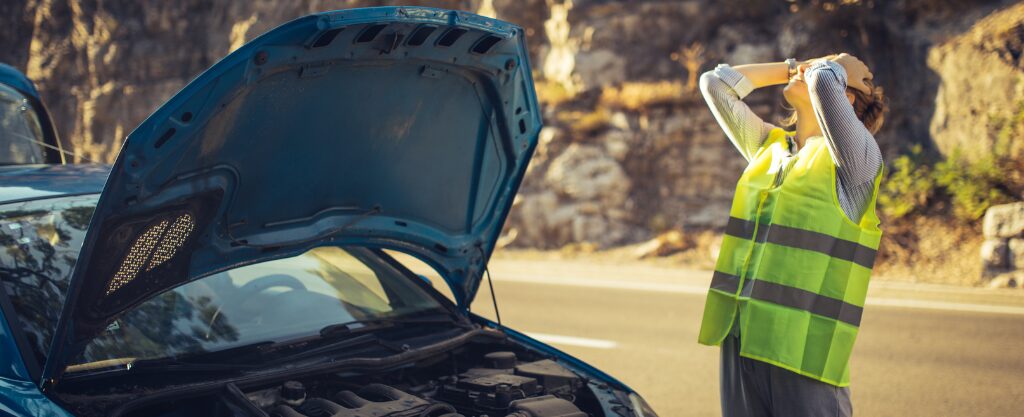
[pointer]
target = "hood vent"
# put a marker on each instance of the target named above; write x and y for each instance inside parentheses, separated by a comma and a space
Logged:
(158, 244)
(485, 44)
(326, 38)
(420, 35)
(452, 35)
(370, 33)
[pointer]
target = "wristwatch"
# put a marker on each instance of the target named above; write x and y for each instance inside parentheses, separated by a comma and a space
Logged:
(792, 67)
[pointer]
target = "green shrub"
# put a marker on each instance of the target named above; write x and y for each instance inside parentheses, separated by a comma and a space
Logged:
(908, 187)
(1006, 128)
(973, 186)
(968, 188)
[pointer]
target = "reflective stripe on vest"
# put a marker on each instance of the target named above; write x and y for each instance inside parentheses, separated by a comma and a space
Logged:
(803, 239)
(790, 297)
(792, 264)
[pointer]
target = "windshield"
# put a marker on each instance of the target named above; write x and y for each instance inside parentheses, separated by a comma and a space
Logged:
(20, 133)
(39, 243)
(270, 301)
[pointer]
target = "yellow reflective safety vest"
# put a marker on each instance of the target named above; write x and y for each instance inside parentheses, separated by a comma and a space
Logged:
(793, 265)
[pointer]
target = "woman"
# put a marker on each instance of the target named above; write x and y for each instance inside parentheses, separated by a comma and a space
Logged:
(789, 286)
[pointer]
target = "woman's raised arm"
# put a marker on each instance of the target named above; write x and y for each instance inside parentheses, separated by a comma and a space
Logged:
(724, 89)
(853, 148)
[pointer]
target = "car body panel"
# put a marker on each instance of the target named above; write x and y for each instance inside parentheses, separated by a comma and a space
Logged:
(12, 367)
(13, 78)
(27, 182)
(23, 398)
(19, 394)
(343, 127)
(604, 386)
(525, 339)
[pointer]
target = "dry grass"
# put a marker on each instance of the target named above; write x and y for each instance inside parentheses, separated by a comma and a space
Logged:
(551, 93)
(638, 96)
(692, 58)
(922, 250)
(584, 122)
(930, 249)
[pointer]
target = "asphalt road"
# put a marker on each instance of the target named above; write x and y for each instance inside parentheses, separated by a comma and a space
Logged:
(922, 351)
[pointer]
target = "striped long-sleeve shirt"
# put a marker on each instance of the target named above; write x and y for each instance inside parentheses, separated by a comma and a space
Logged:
(853, 148)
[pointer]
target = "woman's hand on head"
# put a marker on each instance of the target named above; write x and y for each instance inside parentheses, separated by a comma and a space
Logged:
(857, 73)
(805, 65)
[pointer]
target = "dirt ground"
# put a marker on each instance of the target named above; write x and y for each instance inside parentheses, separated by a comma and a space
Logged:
(923, 250)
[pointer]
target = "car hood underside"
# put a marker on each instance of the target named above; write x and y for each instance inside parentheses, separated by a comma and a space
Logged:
(402, 128)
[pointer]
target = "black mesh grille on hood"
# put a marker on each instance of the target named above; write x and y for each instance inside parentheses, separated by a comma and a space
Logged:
(156, 245)
(143, 253)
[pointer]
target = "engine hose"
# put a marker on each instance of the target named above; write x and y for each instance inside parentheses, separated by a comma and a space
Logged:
(440, 410)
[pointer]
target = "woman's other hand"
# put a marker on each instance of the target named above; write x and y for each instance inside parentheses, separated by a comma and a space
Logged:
(857, 73)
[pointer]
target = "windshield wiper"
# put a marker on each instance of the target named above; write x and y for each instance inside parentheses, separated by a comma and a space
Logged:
(162, 365)
(351, 334)
(345, 329)
(362, 326)
(210, 361)
(366, 339)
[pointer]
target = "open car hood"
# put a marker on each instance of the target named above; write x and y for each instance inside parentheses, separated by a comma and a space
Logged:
(400, 127)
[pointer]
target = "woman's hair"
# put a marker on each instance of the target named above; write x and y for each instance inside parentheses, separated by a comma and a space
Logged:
(869, 107)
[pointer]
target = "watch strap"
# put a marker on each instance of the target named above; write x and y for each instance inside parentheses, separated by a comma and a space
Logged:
(791, 63)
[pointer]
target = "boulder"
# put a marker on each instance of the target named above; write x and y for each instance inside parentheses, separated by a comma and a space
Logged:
(587, 172)
(545, 220)
(995, 254)
(616, 144)
(1007, 280)
(1003, 221)
(600, 67)
(1016, 254)
(535, 220)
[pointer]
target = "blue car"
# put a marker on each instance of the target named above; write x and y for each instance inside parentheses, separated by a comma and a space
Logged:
(237, 258)
(27, 134)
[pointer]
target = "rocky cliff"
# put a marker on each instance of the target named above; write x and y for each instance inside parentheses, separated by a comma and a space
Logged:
(630, 150)
(981, 87)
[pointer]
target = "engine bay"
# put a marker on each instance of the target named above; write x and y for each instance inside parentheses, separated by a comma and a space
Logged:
(481, 378)
(501, 385)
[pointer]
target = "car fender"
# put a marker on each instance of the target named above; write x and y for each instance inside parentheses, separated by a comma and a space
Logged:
(23, 398)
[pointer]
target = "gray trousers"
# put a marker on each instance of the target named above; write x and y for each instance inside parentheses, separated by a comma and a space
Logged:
(752, 388)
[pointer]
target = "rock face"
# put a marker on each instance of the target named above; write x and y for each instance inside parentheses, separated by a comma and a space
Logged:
(103, 66)
(584, 198)
(611, 173)
(981, 87)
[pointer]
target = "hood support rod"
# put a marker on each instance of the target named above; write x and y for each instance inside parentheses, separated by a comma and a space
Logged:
(494, 298)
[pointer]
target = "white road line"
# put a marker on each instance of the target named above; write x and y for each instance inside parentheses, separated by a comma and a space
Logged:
(945, 305)
(574, 341)
(671, 288)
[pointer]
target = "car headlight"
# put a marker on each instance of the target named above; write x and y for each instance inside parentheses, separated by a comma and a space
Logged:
(640, 407)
